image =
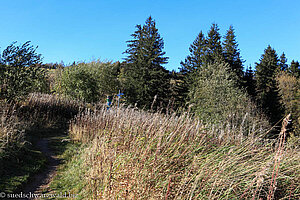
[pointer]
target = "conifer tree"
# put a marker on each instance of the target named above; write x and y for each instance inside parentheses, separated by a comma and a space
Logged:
(178, 90)
(232, 54)
(249, 82)
(283, 61)
(266, 86)
(192, 63)
(144, 75)
(213, 50)
(204, 51)
(294, 68)
(195, 59)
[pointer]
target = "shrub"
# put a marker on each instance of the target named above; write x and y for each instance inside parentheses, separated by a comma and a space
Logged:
(20, 72)
(289, 90)
(216, 99)
(88, 81)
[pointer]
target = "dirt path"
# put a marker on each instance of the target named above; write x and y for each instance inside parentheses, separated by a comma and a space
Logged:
(40, 182)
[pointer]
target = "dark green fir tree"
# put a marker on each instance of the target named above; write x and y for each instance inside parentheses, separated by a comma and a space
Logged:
(282, 62)
(294, 68)
(232, 56)
(192, 63)
(266, 85)
(213, 50)
(249, 82)
(178, 90)
(145, 79)
(195, 59)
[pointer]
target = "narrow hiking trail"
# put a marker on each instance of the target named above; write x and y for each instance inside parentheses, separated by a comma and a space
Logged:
(40, 182)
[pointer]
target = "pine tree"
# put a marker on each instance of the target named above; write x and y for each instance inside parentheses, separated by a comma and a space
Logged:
(232, 55)
(144, 75)
(178, 90)
(266, 86)
(249, 82)
(195, 59)
(283, 61)
(294, 68)
(204, 51)
(213, 50)
(192, 63)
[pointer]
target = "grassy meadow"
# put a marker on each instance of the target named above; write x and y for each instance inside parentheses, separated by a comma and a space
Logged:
(127, 153)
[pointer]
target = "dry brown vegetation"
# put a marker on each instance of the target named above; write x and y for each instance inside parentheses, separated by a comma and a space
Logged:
(11, 131)
(138, 155)
(133, 154)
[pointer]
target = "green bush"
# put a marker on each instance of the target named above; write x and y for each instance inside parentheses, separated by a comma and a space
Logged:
(20, 72)
(215, 97)
(89, 82)
(289, 90)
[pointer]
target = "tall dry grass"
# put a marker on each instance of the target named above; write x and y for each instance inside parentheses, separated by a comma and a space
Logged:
(25, 117)
(11, 131)
(133, 154)
(39, 109)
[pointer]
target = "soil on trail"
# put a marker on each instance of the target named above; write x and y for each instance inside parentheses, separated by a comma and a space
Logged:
(39, 183)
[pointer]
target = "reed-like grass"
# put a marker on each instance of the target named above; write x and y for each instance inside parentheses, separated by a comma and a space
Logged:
(38, 110)
(11, 131)
(138, 155)
(134, 154)
(48, 110)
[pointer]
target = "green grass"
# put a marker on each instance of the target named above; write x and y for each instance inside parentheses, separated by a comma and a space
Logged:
(17, 170)
(70, 175)
(18, 167)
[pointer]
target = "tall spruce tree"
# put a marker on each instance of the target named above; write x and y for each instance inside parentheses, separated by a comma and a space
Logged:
(283, 61)
(232, 56)
(249, 82)
(144, 75)
(294, 68)
(213, 50)
(192, 63)
(178, 90)
(266, 86)
(195, 59)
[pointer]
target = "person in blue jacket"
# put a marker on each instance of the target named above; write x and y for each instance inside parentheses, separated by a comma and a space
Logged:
(109, 101)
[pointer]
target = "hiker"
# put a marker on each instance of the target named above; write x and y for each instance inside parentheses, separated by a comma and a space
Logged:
(109, 100)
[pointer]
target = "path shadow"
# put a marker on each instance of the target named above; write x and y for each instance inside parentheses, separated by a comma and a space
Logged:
(44, 139)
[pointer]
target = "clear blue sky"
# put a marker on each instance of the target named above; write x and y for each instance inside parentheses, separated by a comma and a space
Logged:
(73, 30)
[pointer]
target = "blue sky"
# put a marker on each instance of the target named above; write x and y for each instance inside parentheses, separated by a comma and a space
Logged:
(73, 30)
